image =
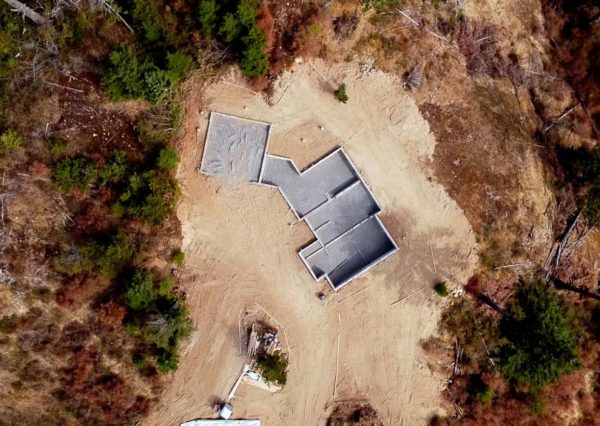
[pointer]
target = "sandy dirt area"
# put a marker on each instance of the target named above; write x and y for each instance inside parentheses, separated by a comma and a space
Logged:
(241, 247)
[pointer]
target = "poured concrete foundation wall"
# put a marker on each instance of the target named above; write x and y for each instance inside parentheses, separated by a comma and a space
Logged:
(329, 196)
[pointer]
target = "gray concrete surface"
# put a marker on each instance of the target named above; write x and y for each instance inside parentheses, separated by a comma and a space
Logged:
(235, 147)
(330, 196)
(341, 213)
(314, 186)
(340, 210)
(351, 254)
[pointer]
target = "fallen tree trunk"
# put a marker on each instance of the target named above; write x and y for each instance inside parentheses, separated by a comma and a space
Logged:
(561, 285)
(27, 11)
(484, 298)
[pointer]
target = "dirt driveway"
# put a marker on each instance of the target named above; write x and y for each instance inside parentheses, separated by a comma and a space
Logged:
(241, 247)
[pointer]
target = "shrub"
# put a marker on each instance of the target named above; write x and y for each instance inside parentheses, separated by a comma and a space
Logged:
(485, 395)
(56, 148)
(152, 133)
(109, 256)
(178, 259)
(139, 362)
(178, 66)
(207, 17)
(541, 344)
(156, 82)
(127, 77)
(160, 317)
(74, 173)
(464, 321)
(165, 287)
(111, 314)
(480, 390)
(537, 405)
(72, 262)
(481, 58)
(7, 60)
(11, 140)
(441, 289)
(167, 158)
(140, 293)
(246, 13)
(378, 5)
(340, 93)
(230, 29)
(167, 325)
(345, 25)
(315, 28)
(583, 168)
(123, 77)
(146, 14)
(9, 324)
(236, 23)
(254, 59)
(167, 361)
(149, 196)
(114, 170)
(273, 367)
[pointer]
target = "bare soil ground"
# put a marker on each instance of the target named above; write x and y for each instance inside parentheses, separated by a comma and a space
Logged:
(241, 247)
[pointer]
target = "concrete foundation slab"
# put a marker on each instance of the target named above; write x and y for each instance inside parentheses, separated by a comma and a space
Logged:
(351, 254)
(330, 196)
(342, 212)
(235, 148)
(316, 185)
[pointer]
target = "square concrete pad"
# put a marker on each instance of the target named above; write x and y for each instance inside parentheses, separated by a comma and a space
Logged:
(235, 148)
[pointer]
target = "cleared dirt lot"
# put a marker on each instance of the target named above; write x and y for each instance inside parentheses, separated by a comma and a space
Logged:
(241, 245)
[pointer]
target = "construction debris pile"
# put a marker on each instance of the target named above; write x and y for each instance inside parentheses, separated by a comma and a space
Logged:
(263, 339)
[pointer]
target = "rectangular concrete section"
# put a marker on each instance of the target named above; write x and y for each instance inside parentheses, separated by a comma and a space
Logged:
(330, 196)
(338, 215)
(351, 254)
(314, 186)
(235, 148)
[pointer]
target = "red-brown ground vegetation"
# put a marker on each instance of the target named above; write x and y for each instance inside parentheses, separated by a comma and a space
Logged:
(353, 413)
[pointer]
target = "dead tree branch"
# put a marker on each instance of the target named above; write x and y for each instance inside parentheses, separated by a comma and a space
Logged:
(487, 299)
(27, 11)
(562, 285)
(559, 119)
(418, 25)
(112, 11)
(558, 249)
(458, 356)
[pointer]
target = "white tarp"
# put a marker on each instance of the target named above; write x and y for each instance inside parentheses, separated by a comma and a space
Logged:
(222, 423)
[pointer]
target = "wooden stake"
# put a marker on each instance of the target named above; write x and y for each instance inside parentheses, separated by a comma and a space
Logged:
(337, 357)
(432, 258)
(241, 87)
(406, 297)
(354, 294)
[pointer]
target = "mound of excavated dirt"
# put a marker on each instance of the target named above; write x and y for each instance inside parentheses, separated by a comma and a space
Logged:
(241, 244)
(352, 414)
